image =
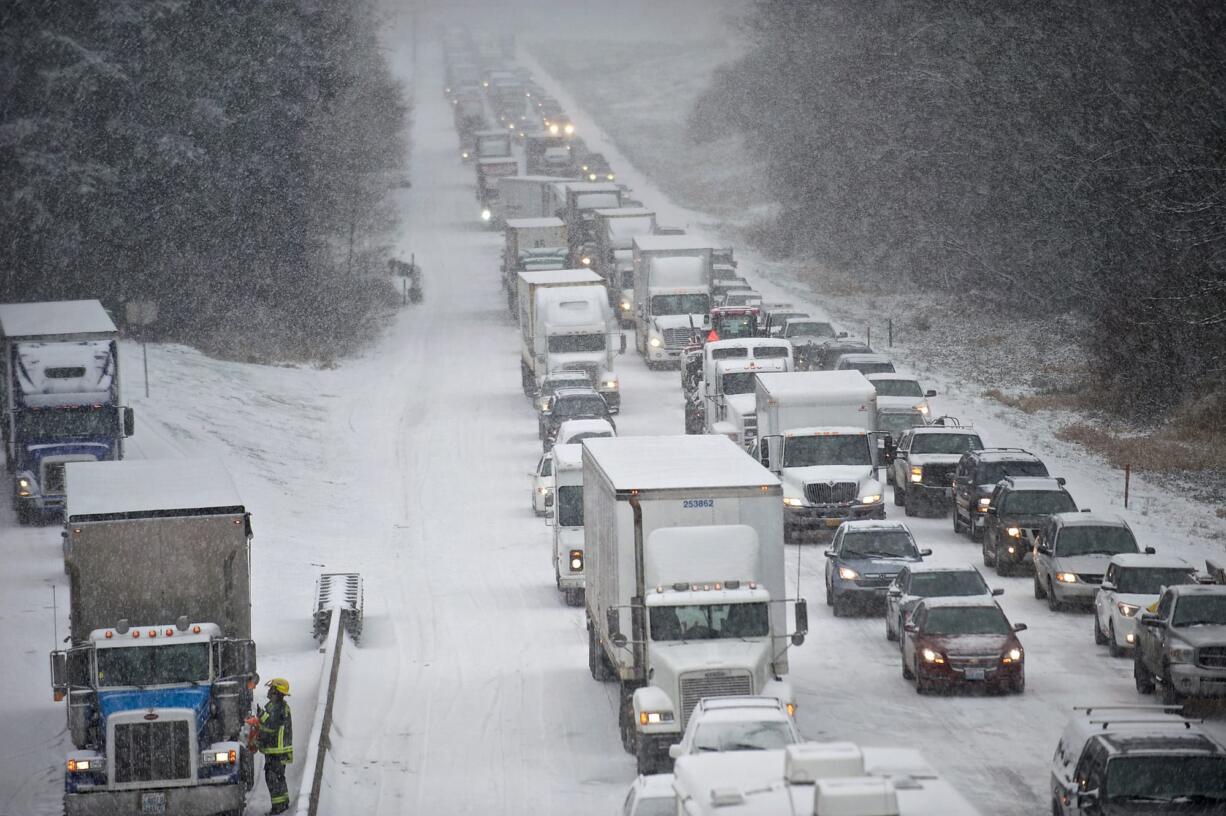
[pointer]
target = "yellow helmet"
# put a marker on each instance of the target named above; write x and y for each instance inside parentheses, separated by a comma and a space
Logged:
(280, 685)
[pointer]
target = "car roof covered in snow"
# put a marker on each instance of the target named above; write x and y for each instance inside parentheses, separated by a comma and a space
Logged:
(701, 461)
(65, 318)
(1033, 483)
(656, 786)
(1143, 561)
(1005, 455)
(862, 525)
(924, 566)
(1088, 519)
(928, 430)
(139, 488)
(657, 243)
(574, 426)
(533, 223)
(960, 600)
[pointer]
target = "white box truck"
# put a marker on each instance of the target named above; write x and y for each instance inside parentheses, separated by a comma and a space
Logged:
(684, 581)
(526, 197)
(566, 516)
(614, 256)
(817, 432)
(531, 245)
(672, 288)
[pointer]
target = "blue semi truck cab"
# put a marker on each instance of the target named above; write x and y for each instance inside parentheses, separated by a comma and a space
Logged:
(60, 397)
(159, 680)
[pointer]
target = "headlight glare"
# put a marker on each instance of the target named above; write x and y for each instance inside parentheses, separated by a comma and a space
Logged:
(790, 502)
(1067, 577)
(872, 498)
(1127, 610)
(932, 657)
(654, 342)
(1014, 532)
(848, 574)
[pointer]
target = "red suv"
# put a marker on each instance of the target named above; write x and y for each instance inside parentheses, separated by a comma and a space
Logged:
(950, 641)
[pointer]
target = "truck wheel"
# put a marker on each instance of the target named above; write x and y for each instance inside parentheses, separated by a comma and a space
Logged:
(597, 663)
(1170, 695)
(1141, 675)
(840, 607)
(899, 496)
(1003, 568)
(910, 505)
(625, 719)
(24, 516)
(649, 758)
(527, 381)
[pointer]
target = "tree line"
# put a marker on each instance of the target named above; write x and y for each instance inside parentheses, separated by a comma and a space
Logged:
(1056, 156)
(228, 161)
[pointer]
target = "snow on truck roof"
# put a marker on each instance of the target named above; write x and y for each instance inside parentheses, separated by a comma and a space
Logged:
(558, 276)
(658, 243)
(626, 212)
(58, 318)
(701, 461)
(533, 223)
(803, 384)
(567, 457)
(139, 487)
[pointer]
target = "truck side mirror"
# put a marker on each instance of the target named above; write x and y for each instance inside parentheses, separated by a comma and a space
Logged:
(129, 422)
(802, 622)
(930, 393)
(59, 674)
(622, 349)
(774, 453)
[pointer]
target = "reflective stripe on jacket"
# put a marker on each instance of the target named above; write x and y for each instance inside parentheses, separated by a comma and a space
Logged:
(277, 730)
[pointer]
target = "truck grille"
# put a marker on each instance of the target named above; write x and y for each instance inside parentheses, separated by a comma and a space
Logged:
(152, 751)
(694, 687)
(824, 493)
(677, 338)
(53, 479)
(1211, 657)
(938, 475)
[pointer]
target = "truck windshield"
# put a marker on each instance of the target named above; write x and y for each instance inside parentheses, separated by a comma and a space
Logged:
(896, 423)
(1095, 541)
(159, 665)
(1200, 610)
(680, 304)
(947, 584)
(770, 352)
(898, 388)
(945, 443)
(1038, 503)
(562, 343)
(731, 326)
(570, 506)
(739, 383)
(807, 451)
(709, 621)
(65, 423)
(627, 279)
(1171, 778)
(1148, 581)
(743, 735)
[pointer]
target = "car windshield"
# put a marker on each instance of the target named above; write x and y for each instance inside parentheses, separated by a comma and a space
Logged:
(709, 621)
(871, 368)
(808, 328)
(656, 806)
(896, 423)
(993, 472)
(945, 443)
(1200, 610)
(1150, 581)
(1081, 540)
(947, 584)
(743, 735)
(64, 423)
(1038, 503)
(966, 620)
(806, 451)
(739, 383)
(680, 304)
(879, 544)
(898, 388)
(1171, 778)
(153, 665)
(562, 343)
(582, 406)
(569, 503)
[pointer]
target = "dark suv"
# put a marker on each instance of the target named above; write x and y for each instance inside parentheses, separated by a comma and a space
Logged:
(923, 465)
(1017, 509)
(975, 478)
(571, 403)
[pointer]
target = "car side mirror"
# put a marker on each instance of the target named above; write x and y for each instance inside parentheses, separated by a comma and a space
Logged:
(1150, 551)
(829, 553)
(1020, 627)
(1152, 619)
(1042, 548)
(674, 751)
(1107, 586)
(925, 553)
(996, 593)
(930, 393)
(910, 627)
(129, 422)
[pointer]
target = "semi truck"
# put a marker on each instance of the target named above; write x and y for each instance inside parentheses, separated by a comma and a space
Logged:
(817, 433)
(159, 676)
(526, 197)
(532, 245)
(489, 171)
(613, 258)
(684, 581)
(672, 288)
(60, 389)
(574, 320)
(566, 516)
(583, 199)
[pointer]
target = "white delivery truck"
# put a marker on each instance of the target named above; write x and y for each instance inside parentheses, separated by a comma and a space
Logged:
(684, 581)
(728, 382)
(567, 520)
(817, 778)
(614, 255)
(817, 433)
(580, 203)
(573, 330)
(526, 197)
(672, 288)
(527, 285)
(531, 245)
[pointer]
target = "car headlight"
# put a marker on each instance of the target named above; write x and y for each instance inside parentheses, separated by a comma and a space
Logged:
(1013, 656)
(790, 502)
(553, 130)
(1180, 654)
(23, 483)
(932, 657)
(569, 129)
(654, 342)
(917, 474)
(625, 305)
(591, 176)
(1014, 532)
(848, 574)
(655, 717)
(486, 215)
(870, 499)
(609, 384)
(585, 260)
(610, 178)
(464, 155)
(1067, 577)
(922, 408)
(1127, 610)
(576, 560)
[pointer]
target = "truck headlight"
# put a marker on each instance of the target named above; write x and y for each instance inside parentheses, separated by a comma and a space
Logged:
(24, 484)
(1180, 654)
(870, 499)
(625, 305)
(591, 176)
(486, 214)
(1067, 577)
(917, 474)
(848, 574)
(576, 560)
(983, 504)
(81, 765)
(790, 502)
(585, 260)
(1014, 532)
(654, 342)
(553, 130)
(1127, 610)
(922, 408)
(464, 155)
(655, 717)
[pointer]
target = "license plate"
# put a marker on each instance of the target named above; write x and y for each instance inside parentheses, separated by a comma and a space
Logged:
(974, 674)
(153, 803)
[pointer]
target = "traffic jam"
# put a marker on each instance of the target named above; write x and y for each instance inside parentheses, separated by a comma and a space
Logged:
(799, 441)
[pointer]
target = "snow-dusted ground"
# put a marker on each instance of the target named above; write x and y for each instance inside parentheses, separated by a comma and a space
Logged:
(470, 693)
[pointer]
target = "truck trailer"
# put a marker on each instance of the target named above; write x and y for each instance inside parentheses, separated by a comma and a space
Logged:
(160, 674)
(526, 197)
(615, 231)
(532, 245)
(684, 581)
(60, 387)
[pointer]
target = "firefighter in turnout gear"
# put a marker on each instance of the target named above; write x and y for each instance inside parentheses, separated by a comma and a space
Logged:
(276, 742)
